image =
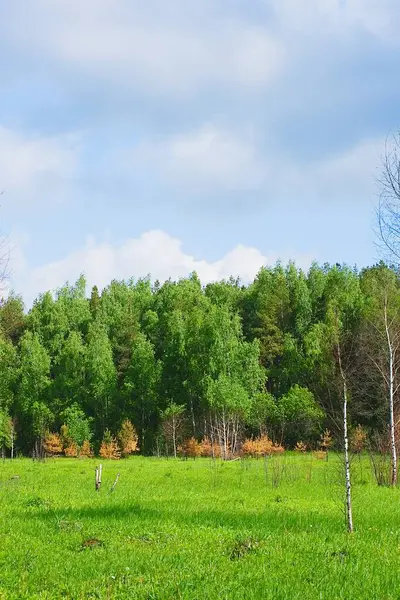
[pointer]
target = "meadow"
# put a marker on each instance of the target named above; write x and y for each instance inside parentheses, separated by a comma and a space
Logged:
(197, 529)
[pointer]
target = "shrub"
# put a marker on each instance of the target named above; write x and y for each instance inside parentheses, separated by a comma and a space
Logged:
(320, 454)
(358, 439)
(261, 446)
(190, 448)
(52, 444)
(298, 414)
(128, 439)
(71, 450)
(326, 440)
(301, 447)
(110, 450)
(109, 447)
(86, 450)
(209, 449)
(64, 436)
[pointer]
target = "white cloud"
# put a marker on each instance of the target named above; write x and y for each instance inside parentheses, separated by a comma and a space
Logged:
(214, 159)
(204, 158)
(26, 160)
(339, 178)
(380, 18)
(154, 252)
(169, 47)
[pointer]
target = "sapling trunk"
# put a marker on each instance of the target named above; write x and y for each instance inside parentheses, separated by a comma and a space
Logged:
(349, 509)
(12, 440)
(174, 435)
(391, 403)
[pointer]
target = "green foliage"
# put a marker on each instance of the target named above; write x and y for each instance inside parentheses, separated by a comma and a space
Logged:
(8, 373)
(225, 394)
(78, 425)
(34, 369)
(172, 411)
(264, 411)
(140, 388)
(12, 318)
(298, 414)
(42, 419)
(5, 430)
(101, 375)
(225, 351)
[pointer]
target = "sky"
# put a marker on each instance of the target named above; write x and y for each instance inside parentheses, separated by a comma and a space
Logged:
(210, 135)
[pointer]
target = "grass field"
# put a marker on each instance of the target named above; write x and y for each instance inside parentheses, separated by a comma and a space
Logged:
(195, 529)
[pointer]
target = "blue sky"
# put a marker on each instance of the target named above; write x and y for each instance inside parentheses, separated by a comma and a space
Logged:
(215, 135)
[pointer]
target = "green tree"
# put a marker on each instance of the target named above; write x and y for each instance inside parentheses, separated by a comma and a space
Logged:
(381, 344)
(78, 425)
(12, 318)
(299, 415)
(8, 374)
(330, 346)
(5, 431)
(42, 419)
(69, 373)
(33, 384)
(101, 377)
(141, 384)
(172, 421)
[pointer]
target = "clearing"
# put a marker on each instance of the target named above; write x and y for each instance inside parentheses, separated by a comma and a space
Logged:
(197, 529)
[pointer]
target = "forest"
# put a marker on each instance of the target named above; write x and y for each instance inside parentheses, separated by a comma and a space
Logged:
(165, 363)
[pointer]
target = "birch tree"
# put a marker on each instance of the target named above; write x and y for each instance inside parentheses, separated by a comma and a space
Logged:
(329, 345)
(172, 422)
(389, 200)
(382, 341)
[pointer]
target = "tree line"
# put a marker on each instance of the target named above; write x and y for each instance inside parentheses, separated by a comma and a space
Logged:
(220, 362)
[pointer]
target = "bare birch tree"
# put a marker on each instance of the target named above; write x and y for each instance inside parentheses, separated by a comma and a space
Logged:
(382, 345)
(348, 504)
(172, 419)
(389, 200)
(330, 347)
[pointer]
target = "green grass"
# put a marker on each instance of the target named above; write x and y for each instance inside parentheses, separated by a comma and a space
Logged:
(195, 529)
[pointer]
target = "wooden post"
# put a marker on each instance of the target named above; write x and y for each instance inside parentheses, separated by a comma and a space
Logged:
(115, 483)
(99, 471)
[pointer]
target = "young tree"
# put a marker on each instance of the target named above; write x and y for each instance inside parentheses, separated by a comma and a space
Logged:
(77, 428)
(298, 414)
(235, 376)
(382, 339)
(109, 447)
(172, 419)
(128, 439)
(263, 413)
(329, 346)
(230, 405)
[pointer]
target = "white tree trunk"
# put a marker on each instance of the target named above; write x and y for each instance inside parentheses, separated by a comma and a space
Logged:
(12, 440)
(349, 509)
(174, 434)
(391, 402)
